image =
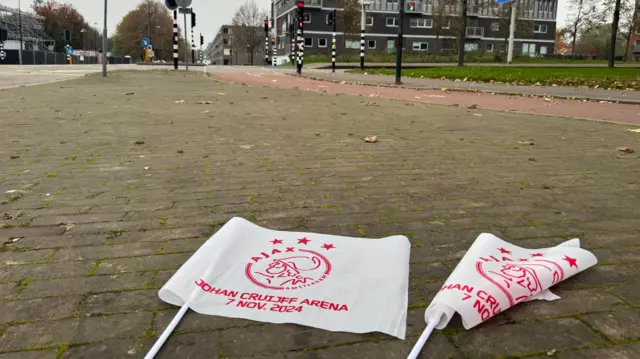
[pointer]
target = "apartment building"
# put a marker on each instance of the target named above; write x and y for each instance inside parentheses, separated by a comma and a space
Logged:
(486, 30)
(226, 49)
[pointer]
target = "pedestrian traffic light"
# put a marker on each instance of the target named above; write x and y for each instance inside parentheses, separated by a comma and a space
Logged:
(412, 6)
(193, 19)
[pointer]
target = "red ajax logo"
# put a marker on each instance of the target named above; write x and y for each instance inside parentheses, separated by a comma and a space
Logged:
(288, 268)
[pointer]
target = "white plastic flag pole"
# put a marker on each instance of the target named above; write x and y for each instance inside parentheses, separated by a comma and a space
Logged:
(167, 332)
(424, 337)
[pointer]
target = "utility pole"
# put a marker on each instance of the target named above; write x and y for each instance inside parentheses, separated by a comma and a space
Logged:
(95, 38)
(84, 43)
(300, 5)
(104, 42)
(176, 55)
(512, 31)
(363, 20)
(334, 20)
(399, 45)
(20, 21)
(463, 34)
(614, 35)
(266, 41)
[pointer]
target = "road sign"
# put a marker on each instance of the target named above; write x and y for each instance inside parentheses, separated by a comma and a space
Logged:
(505, 1)
(151, 53)
(145, 43)
(185, 11)
(69, 50)
(183, 3)
(3, 55)
(150, 47)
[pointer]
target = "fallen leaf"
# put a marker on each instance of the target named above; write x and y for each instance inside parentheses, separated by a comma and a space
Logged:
(371, 139)
(547, 100)
(204, 102)
(370, 103)
(477, 114)
(538, 84)
(373, 95)
(526, 143)
(636, 130)
(179, 101)
(221, 94)
(444, 89)
(129, 93)
(625, 149)
(473, 107)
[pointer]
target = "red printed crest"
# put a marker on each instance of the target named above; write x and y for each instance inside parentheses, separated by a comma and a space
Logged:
(288, 268)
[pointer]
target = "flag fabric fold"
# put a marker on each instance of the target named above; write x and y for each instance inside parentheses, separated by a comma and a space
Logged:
(495, 275)
(329, 282)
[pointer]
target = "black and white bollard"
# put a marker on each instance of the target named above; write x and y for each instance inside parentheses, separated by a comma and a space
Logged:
(175, 39)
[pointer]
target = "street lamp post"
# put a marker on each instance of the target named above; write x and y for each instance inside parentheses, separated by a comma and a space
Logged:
(20, 21)
(84, 42)
(104, 42)
(95, 37)
(161, 46)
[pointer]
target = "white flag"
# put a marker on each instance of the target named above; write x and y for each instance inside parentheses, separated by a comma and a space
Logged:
(495, 275)
(329, 282)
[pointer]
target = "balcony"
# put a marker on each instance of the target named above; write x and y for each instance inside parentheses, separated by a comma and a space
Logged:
(384, 5)
(475, 32)
(635, 49)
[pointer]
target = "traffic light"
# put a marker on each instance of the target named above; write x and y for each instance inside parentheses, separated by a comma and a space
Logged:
(273, 41)
(201, 40)
(67, 35)
(300, 9)
(330, 18)
(193, 19)
(266, 25)
(4, 35)
(412, 6)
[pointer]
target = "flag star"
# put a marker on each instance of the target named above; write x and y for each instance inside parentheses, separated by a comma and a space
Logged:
(572, 261)
(328, 246)
(303, 240)
(504, 251)
(537, 255)
(276, 241)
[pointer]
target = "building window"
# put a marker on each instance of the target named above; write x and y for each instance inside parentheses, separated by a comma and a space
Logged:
(322, 42)
(352, 44)
(489, 47)
(446, 24)
(392, 22)
(418, 22)
(308, 42)
(225, 42)
(369, 21)
(225, 30)
(420, 46)
(307, 18)
(543, 50)
(495, 26)
(540, 29)
(371, 44)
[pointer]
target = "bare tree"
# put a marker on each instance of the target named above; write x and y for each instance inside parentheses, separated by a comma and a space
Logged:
(443, 14)
(350, 16)
(629, 20)
(581, 13)
(247, 27)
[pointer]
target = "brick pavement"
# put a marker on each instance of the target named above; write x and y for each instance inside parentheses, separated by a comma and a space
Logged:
(94, 224)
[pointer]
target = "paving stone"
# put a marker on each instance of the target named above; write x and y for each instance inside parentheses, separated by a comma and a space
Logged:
(8, 290)
(110, 251)
(191, 346)
(438, 347)
(163, 276)
(61, 241)
(75, 330)
(123, 302)
(420, 272)
(39, 354)
(12, 258)
(37, 309)
(193, 321)
(82, 285)
(46, 271)
(628, 292)
(601, 275)
(615, 352)
(271, 338)
(159, 235)
(81, 218)
(618, 325)
(518, 339)
(571, 302)
(123, 348)
(183, 245)
(152, 262)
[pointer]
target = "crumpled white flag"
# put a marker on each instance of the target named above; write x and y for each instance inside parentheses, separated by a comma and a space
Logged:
(329, 282)
(495, 275)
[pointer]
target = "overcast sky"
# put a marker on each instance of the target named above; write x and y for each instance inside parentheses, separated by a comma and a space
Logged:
(211, 13)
